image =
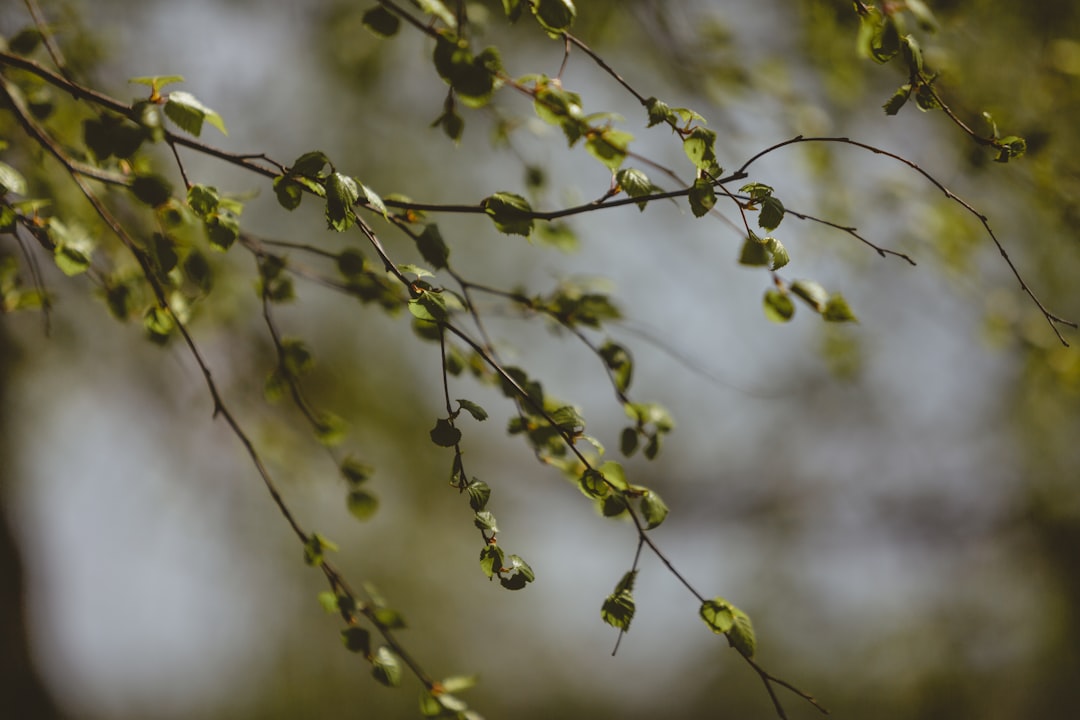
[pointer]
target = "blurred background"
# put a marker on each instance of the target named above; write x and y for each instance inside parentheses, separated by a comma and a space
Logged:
(895, 503)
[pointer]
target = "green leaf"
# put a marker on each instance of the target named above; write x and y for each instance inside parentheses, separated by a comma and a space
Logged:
(329, 602)
(717, 614)
(653, 509)
(741, 635)
(354, 471)
(772, 213)
(652, 448)
(203, 200)
(330, 429)
(315, 547)
(609, 146)
(159, 324)
(11, 180)
(432, 248)
(222, 230)
(617, 358)
(356, 639)
(778, 254)
(618, 607)
(702, 197)
(491, 560)
(342, 192)
(613, 505)
(296, 357)
(189, 114)
(837, 310)
(381, 21)
(511, 213)
(558, 235)
(473, 409)
(555, 16)
(754, 253)
(659, 112)
(361, 504)
(71, 260)
(898, 100)
(386, 668)
(811, 293)
(485, 521)
(521, 575)
(779, 307)
(156, 82)
(153, 190)
(389, 618)
(444, 434)
(628, 441)
(635, 184)
(479, 494)
(310, 164)
(698, 146)
(289, 192)
(593, 484)
(25, 41)
(1010, 147)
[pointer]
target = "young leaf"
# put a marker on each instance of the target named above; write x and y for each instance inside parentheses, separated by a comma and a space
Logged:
(491, 560)
(628, 441)
(473, 409)
(485, 522)
(342, 193)
(11, 180)
(432, 248)
(330, 429)
(315, 547)
(635, 184)
(555, 16)
(511, 213)
(659, 112)
(741, 635)
(772, 213)
(717, 614)
(653, 509)
(609, 146)
(361, 504)
(837, 310)
(698, 146)
(355, 639)
(444, 434)
(189, 114)
(354, 471)
(153, 190)
(811, 293)
(385, 667)
(479, 494)
(779, 307)
(702, 197)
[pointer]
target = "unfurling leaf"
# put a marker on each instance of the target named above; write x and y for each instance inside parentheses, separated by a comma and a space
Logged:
(717, 614)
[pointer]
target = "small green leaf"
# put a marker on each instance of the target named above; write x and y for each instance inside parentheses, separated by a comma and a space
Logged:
(1010, 147)
(361, 504)
(356, 639)
(628, 441)
(432, 248)
(811, 293)
(898, 100)
(330, 429)
(473, 409)
(653, 509)
(717, 614)
(385, 667)
(329, 601)
(741, 635)
(485, 521)
(159, 324)
(617, 358)
(618, 607)
(754, 253)
(593, 484)
(444, 434)
(772, 213)
(354, 471)
(203, 200)
(381, 21)
(609, 146)
(698, 146)
(613, 505)
(479, 494)
(635, 184)
(389, 619)
(702, 197)
(315, 547)
(659, 112)
(342, 192)
(156, 82)
(189, 114)
(491, 560)
(555, 16)
(837, 310)
(779, 307)
(778, 254)
(511, 213)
